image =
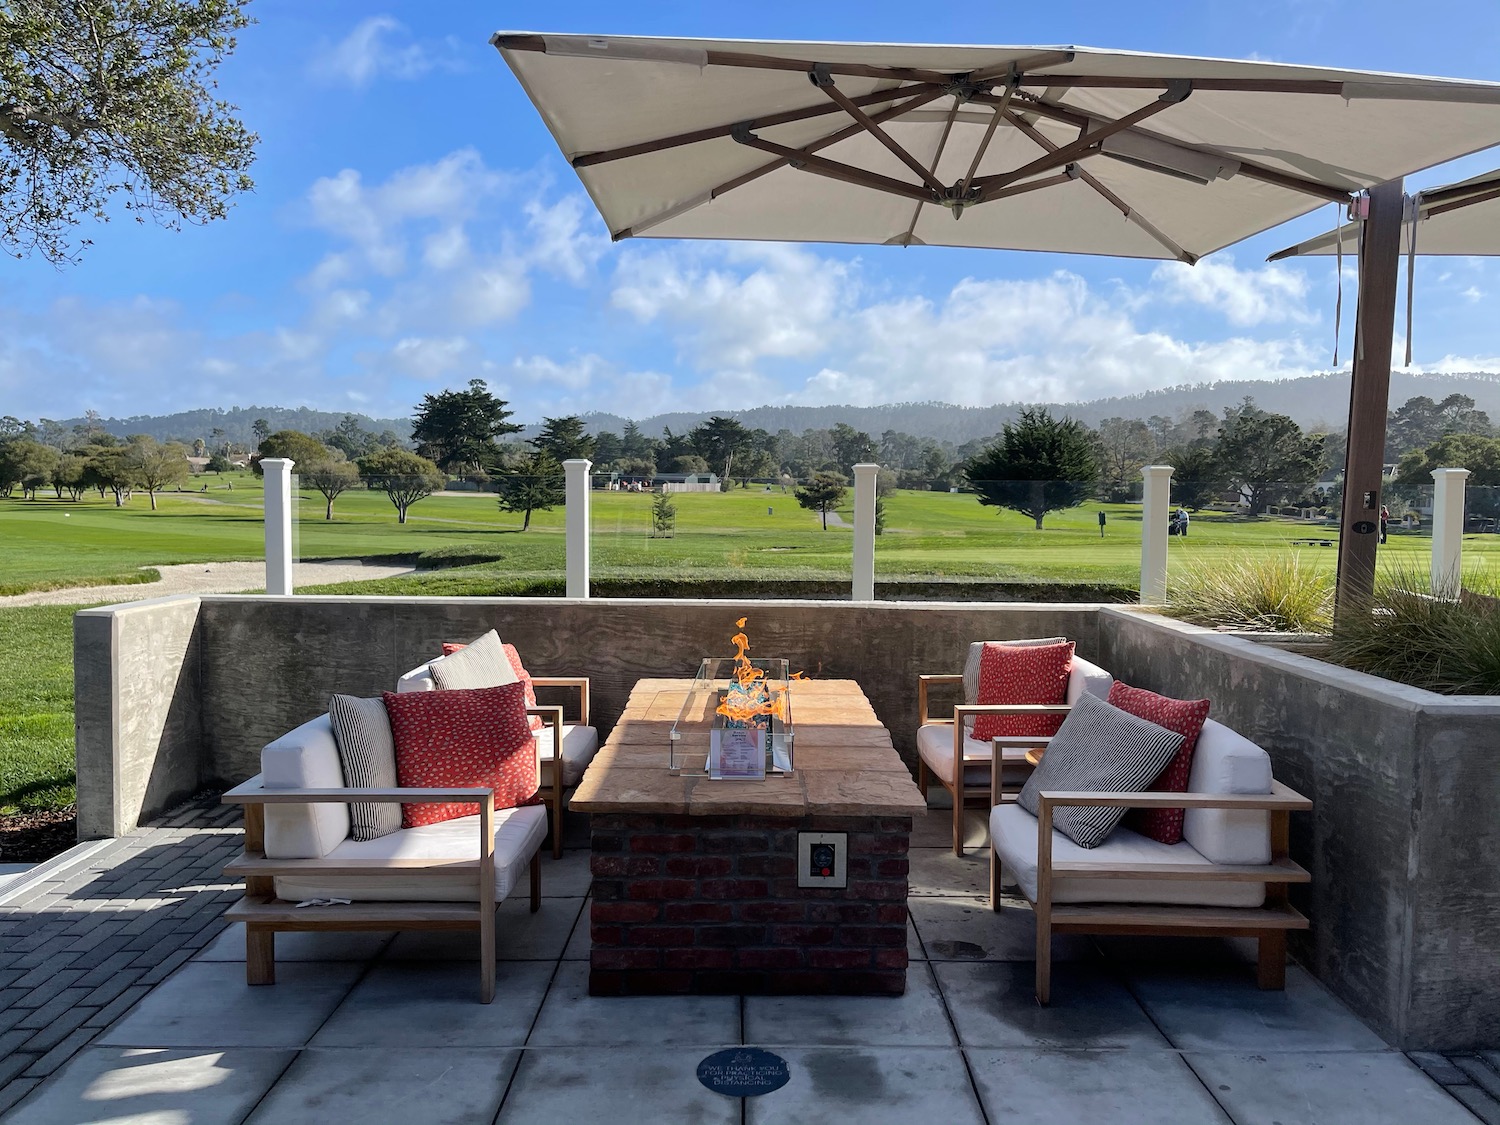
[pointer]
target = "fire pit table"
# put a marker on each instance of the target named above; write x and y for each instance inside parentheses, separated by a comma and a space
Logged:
(792, 884)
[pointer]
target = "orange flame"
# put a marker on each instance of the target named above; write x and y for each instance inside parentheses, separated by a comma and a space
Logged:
(747, 698)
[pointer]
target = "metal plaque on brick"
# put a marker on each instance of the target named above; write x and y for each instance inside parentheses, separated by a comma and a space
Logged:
(743, 1072)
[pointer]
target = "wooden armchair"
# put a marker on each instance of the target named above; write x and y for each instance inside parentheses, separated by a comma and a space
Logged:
(1133, 885)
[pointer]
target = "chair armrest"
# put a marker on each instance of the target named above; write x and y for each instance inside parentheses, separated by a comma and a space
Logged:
(579, 682)
(554, 717)
(250, 793)
(1021, 741)
(1280, 799)
(923, 683)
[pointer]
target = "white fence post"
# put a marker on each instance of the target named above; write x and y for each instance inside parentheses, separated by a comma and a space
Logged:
(1156, 499)
(864, 532)
(579, 495)
(278, 509)
(1448, 531)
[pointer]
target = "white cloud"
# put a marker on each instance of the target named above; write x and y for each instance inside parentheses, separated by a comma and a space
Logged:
(1270, 294)
(567, 237)
(429, 358)
(381, 47)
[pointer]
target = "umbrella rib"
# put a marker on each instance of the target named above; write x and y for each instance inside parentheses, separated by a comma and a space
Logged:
(916, 212)
(864, 121)
(1130, 213)
(743, 178)
(1465, 201)
(1065, 154)
(714, 132)
(798, 158)
(984, 144)
(1246, 167)
(1229, 85)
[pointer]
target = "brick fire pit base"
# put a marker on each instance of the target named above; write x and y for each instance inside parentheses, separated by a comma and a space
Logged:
(710, 904)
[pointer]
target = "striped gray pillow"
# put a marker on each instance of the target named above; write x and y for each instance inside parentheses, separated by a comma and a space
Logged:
(367, 752)
(1098, 749)
(480, 664)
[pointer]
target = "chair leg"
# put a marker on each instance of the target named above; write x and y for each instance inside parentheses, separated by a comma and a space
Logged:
(1043, 960)
(994, 879)
(557, 829)
(486, 956)
(1270, 970)
(536, 882)
(260, 956)
(958, 819)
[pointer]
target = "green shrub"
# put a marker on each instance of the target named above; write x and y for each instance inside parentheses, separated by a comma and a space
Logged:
(1270, 593)
(1410, 636)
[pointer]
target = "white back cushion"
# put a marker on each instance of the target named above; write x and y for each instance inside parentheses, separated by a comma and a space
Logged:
(305, 758)
(1226, 762)
(418, 679)
(1086, 677)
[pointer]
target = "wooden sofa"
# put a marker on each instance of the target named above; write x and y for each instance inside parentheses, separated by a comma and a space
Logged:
(963, 765)
(446, 876)
(1227, 878)
(565, 748)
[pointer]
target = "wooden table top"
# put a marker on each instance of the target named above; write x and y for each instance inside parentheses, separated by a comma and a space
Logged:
(844, 762)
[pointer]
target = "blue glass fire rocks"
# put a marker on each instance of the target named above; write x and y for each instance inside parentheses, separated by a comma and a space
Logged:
(743, 1072)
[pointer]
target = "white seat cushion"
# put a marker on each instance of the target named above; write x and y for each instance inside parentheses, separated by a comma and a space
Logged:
(579, 745)
(1226, 762)
(305, 758)
(518, 835)
(418, 679)
(935, 745)
(1014, 832)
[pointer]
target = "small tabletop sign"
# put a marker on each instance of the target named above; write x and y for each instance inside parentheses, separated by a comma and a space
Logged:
(743, 1072)
(737, 753)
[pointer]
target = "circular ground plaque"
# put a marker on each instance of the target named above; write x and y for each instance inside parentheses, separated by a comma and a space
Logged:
(743, 1072)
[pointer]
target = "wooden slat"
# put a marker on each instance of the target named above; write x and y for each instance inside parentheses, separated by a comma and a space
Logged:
(1227, 85)
(250, 865)
(1280, 871)
(1280, 797)
(835, 170)
(1183, 920)
(281, 915)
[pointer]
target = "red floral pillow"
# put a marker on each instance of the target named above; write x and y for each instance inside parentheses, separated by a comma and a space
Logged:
(1022, 674)
(1184, 716)
(450, 647)
(463, 738)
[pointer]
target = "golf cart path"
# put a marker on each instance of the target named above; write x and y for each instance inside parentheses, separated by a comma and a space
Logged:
(209, 578)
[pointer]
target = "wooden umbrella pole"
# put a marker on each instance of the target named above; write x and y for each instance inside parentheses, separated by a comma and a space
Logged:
(1369, 392)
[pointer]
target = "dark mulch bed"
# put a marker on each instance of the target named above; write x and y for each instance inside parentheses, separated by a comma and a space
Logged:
(31, 837)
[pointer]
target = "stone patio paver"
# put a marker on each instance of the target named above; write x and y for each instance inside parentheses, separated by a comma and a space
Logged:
(871, 1086)
(143, 904)
(1325, 1088)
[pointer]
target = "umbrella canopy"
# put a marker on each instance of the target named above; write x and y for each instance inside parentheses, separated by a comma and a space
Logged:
(1029, 148)
(1455, 219)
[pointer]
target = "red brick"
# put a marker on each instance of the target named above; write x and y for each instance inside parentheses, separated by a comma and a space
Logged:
(840, 958)
(607, 935)
(624, 958)
(890, 912)
(699, 865)
(780, 958)
(780, 911)
(606, 865)
(872, 935)
(873, 889)
(698, 912)
(637, 865)
(769, 865)
(878, 845)
(893, 868)
(606, 842)
(657, 889)
(735, 888)
(738, 842)
(682, 842)
(891, 958)
(803, 935)
(697, 958)
(624, 912)
(662, 936)
(608, 890)
(856, 912)
(737, 936)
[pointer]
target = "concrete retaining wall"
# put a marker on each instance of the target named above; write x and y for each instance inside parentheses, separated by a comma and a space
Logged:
(179, 694)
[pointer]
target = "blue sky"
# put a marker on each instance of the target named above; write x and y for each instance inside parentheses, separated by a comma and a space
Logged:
(414, 226)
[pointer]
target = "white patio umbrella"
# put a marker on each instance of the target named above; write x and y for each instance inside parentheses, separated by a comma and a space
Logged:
(1461, 219)
(1063, 149)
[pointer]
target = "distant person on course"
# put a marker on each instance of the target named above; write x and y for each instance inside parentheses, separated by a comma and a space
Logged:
(1180, 522)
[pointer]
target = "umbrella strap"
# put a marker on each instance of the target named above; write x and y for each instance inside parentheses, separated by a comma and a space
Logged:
(1338, 301)
(1415, 203)
(1359, 326)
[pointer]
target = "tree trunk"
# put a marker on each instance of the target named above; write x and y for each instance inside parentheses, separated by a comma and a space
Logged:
(526, 522)
(400, 513)
(1038, 522)
(825, 519)
(329, 514)
(151, 492)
